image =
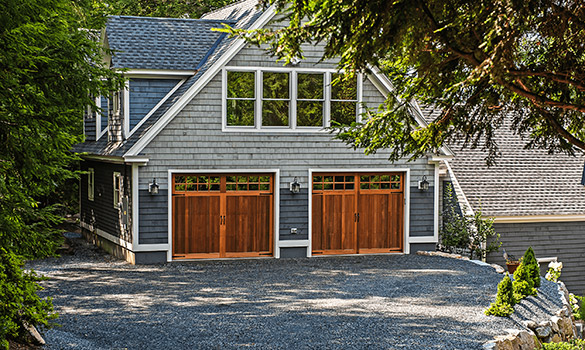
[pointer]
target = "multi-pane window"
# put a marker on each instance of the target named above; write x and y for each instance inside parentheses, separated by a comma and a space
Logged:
(118, 189)
(90, 183)
(343, 100)
(275, 99)
(240, 98)
(289, 99)
(310, 99)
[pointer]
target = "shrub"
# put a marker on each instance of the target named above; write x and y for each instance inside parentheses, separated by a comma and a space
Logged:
(466, 234)
(523, 282)
(531, 264)
(19, 301)
(504, 305)
(576, 344)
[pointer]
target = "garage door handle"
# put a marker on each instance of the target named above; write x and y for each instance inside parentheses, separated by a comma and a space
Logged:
(222, 219)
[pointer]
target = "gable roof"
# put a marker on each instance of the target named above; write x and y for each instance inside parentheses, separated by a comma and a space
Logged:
(160, 43)
(523, 182)
(245, 17)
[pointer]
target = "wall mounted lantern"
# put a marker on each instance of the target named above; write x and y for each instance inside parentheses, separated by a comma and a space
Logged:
(295, 186)
(423, 185)
(153, 187)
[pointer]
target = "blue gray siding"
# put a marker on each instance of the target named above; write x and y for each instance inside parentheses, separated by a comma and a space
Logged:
(100, 213)
(194, 140)
(145, 94)
(565, 240)
(153, 219)
(103, 114)
(89, 124)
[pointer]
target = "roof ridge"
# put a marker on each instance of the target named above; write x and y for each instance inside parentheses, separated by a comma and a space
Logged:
(174, 19)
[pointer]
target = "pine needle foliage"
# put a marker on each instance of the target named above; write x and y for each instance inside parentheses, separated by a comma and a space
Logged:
(505, 301)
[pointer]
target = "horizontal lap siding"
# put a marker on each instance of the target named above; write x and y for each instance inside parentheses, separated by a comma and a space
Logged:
(153, 219)
(565, 240)
(100, 213)
(194, 140)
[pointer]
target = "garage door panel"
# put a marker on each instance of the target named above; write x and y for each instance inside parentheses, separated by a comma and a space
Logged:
(362, 212)
(333, 229)
(222, 215)
(248, 223)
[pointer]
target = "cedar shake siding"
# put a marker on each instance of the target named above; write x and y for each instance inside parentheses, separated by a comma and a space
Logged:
(100, 213)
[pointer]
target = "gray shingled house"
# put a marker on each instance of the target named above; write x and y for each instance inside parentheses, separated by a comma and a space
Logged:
(535, 198)
(215, 150)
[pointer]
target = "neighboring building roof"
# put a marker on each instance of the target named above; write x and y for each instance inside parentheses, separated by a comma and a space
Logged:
(240, 15)
(160, 43)
(523, 182)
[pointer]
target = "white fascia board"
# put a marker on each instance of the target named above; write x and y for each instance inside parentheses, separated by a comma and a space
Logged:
(156, 73)
(467, 210)
(107, 159)
(198, 86)
(537, 218)
(438, 158)
(140, 161)
(386, 84)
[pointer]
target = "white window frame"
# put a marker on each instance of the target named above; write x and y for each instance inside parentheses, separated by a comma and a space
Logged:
(289, 100)
(98, 118)
(90, 184)
(324, 100)
(257, 103)
(118, 188)
(293, 99)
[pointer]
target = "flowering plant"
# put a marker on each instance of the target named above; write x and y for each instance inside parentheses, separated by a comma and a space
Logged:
(554, 271)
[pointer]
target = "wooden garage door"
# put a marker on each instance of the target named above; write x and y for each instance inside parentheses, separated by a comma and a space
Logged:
(228, 215)
(357, 213)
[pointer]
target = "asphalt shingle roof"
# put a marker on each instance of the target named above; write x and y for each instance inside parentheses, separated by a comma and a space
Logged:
(523, 182)
(239, 15)
(160, 43)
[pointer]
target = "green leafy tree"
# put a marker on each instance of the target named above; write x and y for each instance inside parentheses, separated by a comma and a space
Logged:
(154, 8)
(49, 71)
(476, 62)
(20, 302)
(504, 304)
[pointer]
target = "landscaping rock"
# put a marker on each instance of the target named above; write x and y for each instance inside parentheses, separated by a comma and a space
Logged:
(543, 332)
(32, 335)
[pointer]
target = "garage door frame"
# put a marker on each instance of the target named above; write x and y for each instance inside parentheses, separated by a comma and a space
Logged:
(406, 221)
(276, 199)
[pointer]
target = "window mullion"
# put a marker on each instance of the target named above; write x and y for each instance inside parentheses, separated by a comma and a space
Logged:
(360, 109)
(293, 100)
(258, 96)
(327, 95)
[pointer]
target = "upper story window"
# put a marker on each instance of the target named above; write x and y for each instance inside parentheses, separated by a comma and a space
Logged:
(288, 99)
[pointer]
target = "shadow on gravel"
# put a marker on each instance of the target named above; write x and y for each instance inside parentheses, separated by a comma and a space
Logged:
(384, 301)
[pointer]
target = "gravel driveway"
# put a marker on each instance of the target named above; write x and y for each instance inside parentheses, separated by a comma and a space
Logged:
(358, 302)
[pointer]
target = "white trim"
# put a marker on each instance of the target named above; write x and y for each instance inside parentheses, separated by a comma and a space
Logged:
(107, 159)
(151, 248)
(301, 243)
(199, 84)
(142, 161)
(537, 218)
(116, 182)
(385, 84)
(90, 184)
(406, 172)
(154, 109)
(117, 240)
(438, 158)
(436, 204)
(126, 108)
(293, 99)
(135, 205)
(157, 73)
(98, 118)
(276, 198)
(467, 209)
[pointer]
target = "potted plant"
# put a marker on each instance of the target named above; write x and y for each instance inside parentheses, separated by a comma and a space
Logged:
(511, 262)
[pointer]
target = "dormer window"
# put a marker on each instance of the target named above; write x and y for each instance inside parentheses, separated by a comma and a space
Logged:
(288, 99)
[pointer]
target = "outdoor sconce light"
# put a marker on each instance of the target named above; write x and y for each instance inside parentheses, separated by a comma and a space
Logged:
(153, 187)
(423, 185)
(295, 186)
